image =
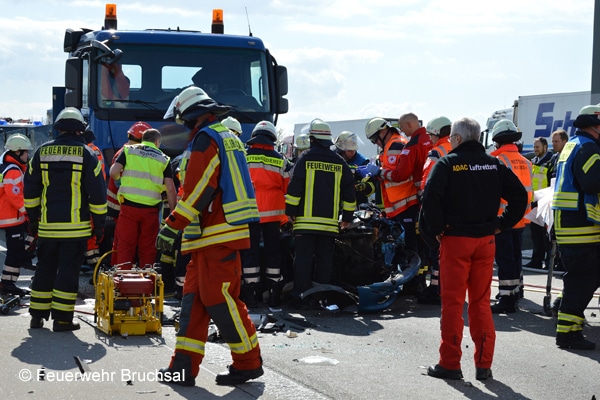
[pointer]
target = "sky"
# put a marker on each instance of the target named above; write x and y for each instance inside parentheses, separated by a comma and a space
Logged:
(346, 59)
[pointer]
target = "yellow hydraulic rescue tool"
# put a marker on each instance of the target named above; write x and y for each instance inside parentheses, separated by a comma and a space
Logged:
(129, 300)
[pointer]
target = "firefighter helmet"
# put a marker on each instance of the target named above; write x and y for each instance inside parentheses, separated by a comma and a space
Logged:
(17, 142)
(302, 142)
(191, 103)
(136, 130)
(588, 116)
(505, 131)
(319, 129)
(264, 132)
(347, 141)
(233, 125)
(69, 120)
(434, 127)
(374, 126)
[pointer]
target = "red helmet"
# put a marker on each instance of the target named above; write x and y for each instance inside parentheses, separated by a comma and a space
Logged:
(137, 129)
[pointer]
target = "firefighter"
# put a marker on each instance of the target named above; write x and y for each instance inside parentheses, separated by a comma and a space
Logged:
(577, 226)
(134, 136)
(321, 183)
(438, 130)
(143, 171)
(13, 219)
(270, 178)
(347, 147)
(214, 211)
(459, 211)
(509, 242)
(64, 188)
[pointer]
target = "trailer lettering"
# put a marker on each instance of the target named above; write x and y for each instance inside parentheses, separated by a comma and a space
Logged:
(546, 119)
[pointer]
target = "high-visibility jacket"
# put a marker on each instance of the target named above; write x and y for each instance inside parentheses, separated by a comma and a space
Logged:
(540, 167)
(321, 186)
(64, 187)
(509, 156)
(398, 196)
(142, 180)
(442, 147)
(575, 201)
(270, 178)
(218, 200)
(112, 191)
(12, 205)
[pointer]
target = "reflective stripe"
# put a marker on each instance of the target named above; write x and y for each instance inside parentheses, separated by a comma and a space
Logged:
(189, 344)
(247, 343)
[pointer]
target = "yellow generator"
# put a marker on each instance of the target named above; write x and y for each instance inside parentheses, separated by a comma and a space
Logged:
(129, 300)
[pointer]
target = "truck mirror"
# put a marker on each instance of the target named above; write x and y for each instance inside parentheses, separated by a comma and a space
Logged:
(282, 80)
(73, 82)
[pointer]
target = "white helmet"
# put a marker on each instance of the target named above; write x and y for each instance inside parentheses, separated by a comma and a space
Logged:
(17, 142)
(347, 141)
(70, 120)
(434, 127)
(302, 142)
(588, 116)
(193, 102)
(374, 126)
(233, 125)
(319, 129)
(264, 130)
(505, 131)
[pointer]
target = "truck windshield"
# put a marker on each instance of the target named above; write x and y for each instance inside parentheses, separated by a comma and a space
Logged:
(150, 76)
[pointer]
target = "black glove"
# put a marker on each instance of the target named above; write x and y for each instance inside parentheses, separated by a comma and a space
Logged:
(32, 228)
(166, 238)
(98, 233)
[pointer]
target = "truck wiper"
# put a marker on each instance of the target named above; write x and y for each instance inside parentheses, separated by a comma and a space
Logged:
(148, 104)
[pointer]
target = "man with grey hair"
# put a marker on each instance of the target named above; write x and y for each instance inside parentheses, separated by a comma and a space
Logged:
(460, 214)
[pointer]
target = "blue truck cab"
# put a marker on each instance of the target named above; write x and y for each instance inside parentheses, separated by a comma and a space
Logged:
(117, 77)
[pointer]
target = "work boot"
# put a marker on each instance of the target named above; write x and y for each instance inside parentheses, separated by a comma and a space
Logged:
(275, 296)
(179, 371)
(506, 304)
(437, 371)
(65, 326)
(9, 288)
(574, 340)
(36, 322)
(235, 376)
(248, 295)
(481, 374)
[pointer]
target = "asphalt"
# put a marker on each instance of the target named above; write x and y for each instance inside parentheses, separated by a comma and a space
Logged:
(317, 355)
